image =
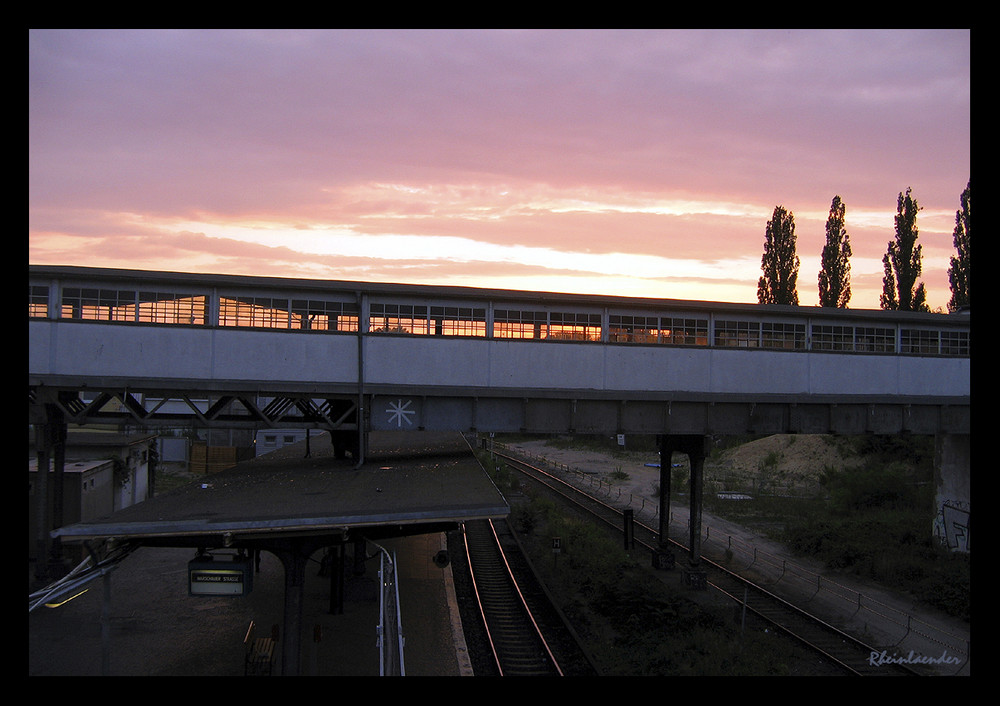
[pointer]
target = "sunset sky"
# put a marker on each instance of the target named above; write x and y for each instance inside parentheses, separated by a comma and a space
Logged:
(628, 162)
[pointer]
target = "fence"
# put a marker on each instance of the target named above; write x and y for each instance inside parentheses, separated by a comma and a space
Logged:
(799, 584)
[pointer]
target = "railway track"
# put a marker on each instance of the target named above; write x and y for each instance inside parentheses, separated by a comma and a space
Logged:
(526, 634)
(848, 654)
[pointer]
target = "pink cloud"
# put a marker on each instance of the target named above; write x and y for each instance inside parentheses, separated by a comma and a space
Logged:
(129, 130)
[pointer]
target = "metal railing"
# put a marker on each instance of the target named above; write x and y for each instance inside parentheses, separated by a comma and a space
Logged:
(792, 579)
(389, 630)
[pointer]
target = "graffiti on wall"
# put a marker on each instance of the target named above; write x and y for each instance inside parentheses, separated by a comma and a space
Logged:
(952, 525)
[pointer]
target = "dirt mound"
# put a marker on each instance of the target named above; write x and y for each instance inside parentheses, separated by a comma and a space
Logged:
(796, 458)
(783, 462)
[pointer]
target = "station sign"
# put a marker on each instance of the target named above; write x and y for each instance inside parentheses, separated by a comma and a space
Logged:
(209, 577)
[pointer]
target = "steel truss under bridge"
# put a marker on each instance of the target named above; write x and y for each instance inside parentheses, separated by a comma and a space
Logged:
(193, 408)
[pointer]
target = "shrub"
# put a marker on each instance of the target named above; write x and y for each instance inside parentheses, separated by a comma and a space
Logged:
(871, 486)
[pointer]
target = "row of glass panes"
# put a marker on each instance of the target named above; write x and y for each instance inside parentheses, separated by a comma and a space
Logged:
(284, 313)
(934, 342)
(760, 334)
(883, 340)
(655, 329)
(92, 304)
(427, 320)
(128, 305)
(573, 326)
(320, 315)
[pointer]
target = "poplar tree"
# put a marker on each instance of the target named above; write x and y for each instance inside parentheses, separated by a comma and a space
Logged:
(779, 262)
(835, 272)
(902, 261)
(958, 273)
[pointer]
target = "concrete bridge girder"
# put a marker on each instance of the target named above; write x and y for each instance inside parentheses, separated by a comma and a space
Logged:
(546, 415)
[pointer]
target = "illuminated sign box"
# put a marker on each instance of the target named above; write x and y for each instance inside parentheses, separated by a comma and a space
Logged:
(207, 577)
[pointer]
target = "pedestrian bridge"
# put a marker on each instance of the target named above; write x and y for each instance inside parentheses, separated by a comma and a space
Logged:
(175, 349)
(165, 348)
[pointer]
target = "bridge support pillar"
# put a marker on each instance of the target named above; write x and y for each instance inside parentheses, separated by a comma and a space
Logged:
(953, 497)
(294, 555)
(50, 450)
(696, 448)
(663, 557)
(333, 567)
(43, 450)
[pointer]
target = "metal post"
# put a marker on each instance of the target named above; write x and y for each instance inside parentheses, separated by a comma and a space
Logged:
(42, 449)
(293, 558)
(337, 580)
(106, 626)
(697, 450)
(666, 452)
(57, 426)
(697, 481)
(362, 300)
(663, 558)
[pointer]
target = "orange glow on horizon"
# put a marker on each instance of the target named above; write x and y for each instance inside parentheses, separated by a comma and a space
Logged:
(639, 163)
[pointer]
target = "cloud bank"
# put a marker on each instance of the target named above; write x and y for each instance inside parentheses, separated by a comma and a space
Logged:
(638, 162)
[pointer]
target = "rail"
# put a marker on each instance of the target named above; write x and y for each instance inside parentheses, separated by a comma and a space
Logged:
(776, 571)
(390, 627)
(516, 640)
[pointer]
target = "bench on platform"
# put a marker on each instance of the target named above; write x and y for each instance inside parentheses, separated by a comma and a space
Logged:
(259, 657)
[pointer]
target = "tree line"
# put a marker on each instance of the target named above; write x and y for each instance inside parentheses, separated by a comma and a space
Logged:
(902, 261)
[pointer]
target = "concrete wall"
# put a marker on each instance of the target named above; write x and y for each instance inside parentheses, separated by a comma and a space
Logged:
(953, 499)
(628, 368)
(159, 353)
(88, 493)
(209, 355)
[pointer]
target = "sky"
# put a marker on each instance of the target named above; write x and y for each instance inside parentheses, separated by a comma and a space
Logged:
(639, 163)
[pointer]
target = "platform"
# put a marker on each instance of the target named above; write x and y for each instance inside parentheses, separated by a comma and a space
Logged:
(293, 504)
(409, 480)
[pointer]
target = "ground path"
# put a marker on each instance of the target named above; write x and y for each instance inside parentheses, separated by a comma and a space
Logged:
(887, 619)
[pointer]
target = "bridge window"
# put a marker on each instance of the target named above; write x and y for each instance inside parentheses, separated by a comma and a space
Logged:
(513, 323)
(398, 318)
(634, 329)
(832, 338)
(317, 315)
(870, 339)
(92, 304)
(955, 343)
(38, 301)
(684, 332)
(574, 326)
(740, 334)
(458, 321)
(427, 320)
(257, 312)
(171, 308)
(859, 339)
(781, 335)
(918, 341)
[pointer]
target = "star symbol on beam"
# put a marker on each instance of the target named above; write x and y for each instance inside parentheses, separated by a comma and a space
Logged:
(400, 412)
